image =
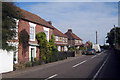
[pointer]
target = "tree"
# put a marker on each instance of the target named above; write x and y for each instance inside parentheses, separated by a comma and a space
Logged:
(114, 36)
(9, 14)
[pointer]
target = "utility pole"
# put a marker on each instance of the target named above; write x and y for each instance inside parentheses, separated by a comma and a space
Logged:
(96, 37)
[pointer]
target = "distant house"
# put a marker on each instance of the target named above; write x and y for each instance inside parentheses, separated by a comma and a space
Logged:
(88, 44)
(61, 40)
(32, 24)
(73, 40)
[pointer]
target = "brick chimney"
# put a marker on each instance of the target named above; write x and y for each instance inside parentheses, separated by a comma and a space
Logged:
(69, 30)
(50, 22)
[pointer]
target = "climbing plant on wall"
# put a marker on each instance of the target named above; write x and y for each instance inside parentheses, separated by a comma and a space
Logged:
(23, 40)
(48, 50)
(43, 45)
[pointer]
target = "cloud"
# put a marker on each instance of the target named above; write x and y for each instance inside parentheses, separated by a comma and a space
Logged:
(84, 18)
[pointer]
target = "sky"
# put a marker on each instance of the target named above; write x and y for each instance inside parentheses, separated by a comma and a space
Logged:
(84, 18)
(62, 0)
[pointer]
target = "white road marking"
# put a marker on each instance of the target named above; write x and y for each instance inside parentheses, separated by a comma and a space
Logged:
(83, 55)
(99, 54)
(51, 76)
(100, 69)
(93, 56)
(79, 63)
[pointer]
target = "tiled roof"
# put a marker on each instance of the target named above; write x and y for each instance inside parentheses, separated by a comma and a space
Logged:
(88, 42)
(59, 33)
(71, 35)
(33, 18)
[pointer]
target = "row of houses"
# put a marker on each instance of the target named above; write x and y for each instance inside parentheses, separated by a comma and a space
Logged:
(34, 24)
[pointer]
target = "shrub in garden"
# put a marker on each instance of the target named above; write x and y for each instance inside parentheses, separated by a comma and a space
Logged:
(28, 64)
(43, 45)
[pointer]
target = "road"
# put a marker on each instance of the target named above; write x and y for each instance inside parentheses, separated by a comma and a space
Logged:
(102, 65)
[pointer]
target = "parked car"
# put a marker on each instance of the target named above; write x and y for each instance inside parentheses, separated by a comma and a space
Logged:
(91, 51)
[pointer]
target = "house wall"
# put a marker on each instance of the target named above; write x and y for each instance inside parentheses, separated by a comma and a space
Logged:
(23, 57)
(38, 28)
(61, 46)
(60, 41)
(78, 42)
(71, 43)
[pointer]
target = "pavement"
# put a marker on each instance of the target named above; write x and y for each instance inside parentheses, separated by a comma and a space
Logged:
(104, 65)
(13, 74)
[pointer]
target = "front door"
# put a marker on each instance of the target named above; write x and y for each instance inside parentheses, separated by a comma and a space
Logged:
(32, 53)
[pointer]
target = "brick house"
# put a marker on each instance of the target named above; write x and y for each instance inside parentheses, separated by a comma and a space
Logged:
(88, 44)
(32, 24)
(61, 40)
(73, 40)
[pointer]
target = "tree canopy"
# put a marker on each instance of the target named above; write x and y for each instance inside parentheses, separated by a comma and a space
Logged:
(114, 36)
(9, 14)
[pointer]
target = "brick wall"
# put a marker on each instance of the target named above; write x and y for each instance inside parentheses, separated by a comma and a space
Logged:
(21, 26)
(25, 25)
(78, 43)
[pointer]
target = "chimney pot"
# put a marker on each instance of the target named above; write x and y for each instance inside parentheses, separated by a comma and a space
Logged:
(50, 22)
(70, 30)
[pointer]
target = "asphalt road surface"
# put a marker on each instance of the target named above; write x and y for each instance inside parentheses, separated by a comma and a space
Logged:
(102, 65)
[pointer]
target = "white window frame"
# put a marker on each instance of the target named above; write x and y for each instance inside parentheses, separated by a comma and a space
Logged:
(59, 48)
(46, 30)
(66, 39)
(63, 39)
(56, 38)
(16, 29)
(65, 48)
(32, 25)
(80, 41)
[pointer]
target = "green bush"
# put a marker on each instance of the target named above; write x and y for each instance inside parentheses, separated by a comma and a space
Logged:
(82, 48)
(35, 59)
(72, 48)
(28, 64)
(14, 59)
(14, 68)
(35, 63)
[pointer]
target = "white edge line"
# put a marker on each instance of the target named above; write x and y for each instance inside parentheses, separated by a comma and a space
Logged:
(99, 54)
(93, 56)
(80, 63)
(100, 69)
(51, 76)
